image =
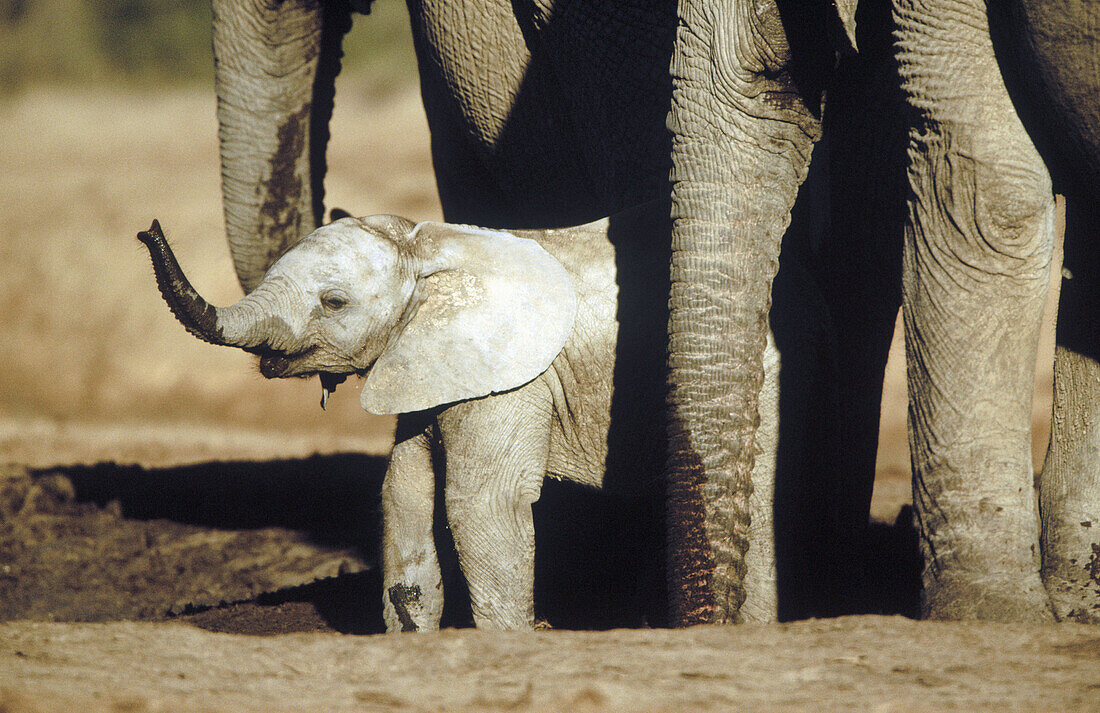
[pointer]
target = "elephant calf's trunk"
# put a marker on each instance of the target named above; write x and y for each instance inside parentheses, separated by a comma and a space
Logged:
(198, 316)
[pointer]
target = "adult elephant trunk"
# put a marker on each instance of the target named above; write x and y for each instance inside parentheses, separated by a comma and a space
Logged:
(240, 325)
(744, 119)
(275, 65)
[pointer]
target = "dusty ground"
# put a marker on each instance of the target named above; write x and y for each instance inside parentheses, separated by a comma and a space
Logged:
(859, 663)
(159, 480)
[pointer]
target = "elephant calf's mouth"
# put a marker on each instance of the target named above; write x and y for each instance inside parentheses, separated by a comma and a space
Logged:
(276, 365)
(273, 366)
(283, 365)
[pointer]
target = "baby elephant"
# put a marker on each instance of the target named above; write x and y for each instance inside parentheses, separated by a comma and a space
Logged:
(499, 349)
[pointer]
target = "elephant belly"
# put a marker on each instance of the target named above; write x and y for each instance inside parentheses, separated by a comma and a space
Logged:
(607, 426)
(545, 120)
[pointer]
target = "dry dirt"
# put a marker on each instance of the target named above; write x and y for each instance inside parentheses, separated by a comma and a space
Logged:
(177, 533)
(857, 663)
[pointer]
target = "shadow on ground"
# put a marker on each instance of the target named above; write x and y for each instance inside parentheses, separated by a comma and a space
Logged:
(334, 498)
(292, 545)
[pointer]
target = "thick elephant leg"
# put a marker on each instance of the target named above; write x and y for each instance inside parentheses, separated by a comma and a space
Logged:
(412, 586)
(1069, 491)
(976, 259)
(1048, 51)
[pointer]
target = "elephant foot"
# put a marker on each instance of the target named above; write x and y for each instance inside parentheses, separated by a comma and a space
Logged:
(1077, 599)
(979, 596)
(1071, 572)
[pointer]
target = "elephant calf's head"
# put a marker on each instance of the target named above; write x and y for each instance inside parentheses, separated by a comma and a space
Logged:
(430, 313)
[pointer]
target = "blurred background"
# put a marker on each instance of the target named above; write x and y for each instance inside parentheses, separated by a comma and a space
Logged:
(161, 43)
(107, 121)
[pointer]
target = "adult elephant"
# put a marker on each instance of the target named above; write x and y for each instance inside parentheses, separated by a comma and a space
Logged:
(540, 114)
(547, 114)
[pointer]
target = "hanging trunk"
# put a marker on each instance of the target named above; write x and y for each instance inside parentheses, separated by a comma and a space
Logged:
(275, 64)
(744, 119)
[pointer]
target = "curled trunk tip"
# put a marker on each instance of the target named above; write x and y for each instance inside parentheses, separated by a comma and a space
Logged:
(196, 315)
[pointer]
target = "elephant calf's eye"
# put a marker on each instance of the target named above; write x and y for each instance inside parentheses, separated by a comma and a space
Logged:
(333, 301)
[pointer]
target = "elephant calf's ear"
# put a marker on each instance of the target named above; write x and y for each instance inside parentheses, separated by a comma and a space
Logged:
(496, 311)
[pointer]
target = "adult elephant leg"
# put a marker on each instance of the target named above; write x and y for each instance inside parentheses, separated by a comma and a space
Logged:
(1048, 51)
(743, 130)
(275, 63)
(1069, 491)
(976, 259)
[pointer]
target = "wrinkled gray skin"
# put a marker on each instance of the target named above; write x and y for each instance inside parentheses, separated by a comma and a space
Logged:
(977, 248)
(977, 245)
(499, 350)
(546, 114)
(1049, 54)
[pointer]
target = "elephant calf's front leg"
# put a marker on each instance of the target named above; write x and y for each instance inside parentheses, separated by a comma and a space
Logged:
(496, 462)
(412, 588)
